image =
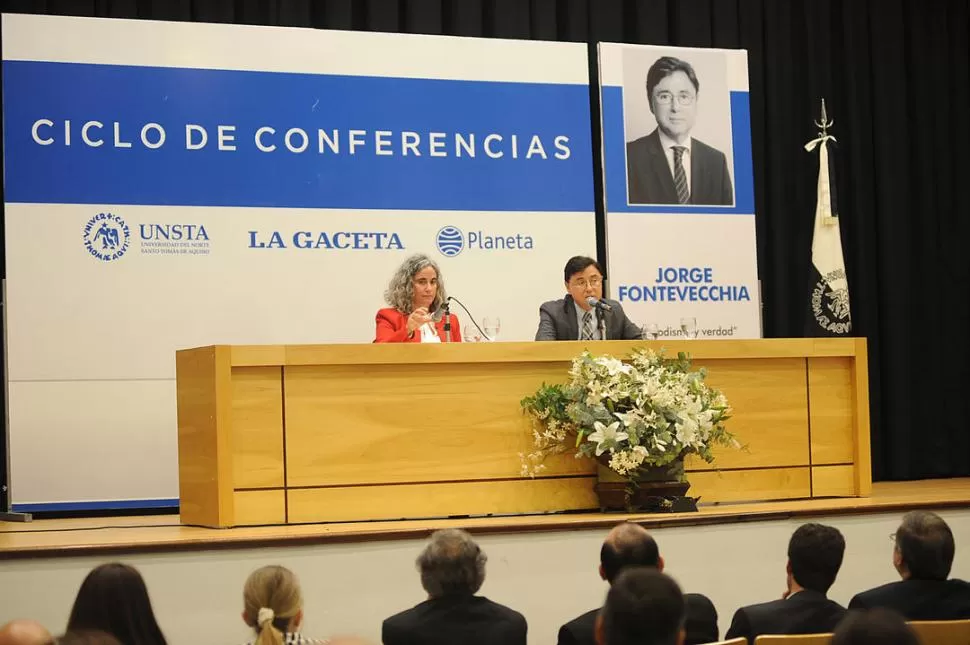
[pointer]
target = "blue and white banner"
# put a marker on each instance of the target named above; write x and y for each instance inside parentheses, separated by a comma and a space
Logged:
(172, 185)
(682, 255)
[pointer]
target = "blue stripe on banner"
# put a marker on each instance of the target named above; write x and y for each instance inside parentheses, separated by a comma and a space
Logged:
(116, 505)
(615, 154)
(387, 143)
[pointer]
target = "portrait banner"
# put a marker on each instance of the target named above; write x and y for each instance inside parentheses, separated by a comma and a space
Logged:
(679, 190)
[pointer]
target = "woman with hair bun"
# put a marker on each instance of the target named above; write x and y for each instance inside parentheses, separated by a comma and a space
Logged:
(273, 607)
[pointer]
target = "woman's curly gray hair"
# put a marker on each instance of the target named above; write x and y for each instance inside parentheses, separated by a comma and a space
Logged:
(400, 291)
(452, 564)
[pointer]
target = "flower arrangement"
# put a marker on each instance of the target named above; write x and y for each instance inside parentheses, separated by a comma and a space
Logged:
(651, 411)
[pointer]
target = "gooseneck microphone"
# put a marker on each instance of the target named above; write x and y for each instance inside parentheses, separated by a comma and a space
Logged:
(470, 316)
(599, 304)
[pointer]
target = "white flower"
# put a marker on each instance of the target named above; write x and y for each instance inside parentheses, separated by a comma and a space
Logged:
(626, 461)
(606, 436)
(614, 366)
(629, 418)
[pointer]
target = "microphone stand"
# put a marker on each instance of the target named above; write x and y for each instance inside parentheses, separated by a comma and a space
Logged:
(601, 319)
(447, 327)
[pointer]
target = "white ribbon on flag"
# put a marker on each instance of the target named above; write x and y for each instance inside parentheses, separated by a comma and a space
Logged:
(823, 203)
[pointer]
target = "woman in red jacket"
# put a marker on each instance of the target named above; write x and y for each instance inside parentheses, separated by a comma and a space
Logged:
(416, 291)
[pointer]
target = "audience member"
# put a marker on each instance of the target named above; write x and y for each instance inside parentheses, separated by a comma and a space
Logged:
(874, 627)
(452, 570)
(113, 598)
(923, 555)
(87, 638)
(643, 607)
(815, 555)
(629, 545)
(24, 632)
(273, 607)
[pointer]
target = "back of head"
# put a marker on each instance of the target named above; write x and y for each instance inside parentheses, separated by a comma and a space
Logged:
(643, 607)
(452, 564)
(874, 627)
(815, 553)
(87, 638)
(628, 545)
(272, 598)
(113, 598)
(925, 545)
(24, 632)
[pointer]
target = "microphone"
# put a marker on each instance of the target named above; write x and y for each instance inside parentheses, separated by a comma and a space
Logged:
(599, 304)
(447, 317)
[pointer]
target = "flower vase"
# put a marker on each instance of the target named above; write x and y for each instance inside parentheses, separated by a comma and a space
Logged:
(656, 489)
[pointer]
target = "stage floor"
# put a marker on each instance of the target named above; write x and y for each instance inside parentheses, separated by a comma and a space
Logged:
(89, 536)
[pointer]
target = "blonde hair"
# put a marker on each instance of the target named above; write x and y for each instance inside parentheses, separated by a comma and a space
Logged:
(271, 599)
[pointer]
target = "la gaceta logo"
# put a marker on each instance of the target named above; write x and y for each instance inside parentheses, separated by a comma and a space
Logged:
(450, 241)
(106, 236)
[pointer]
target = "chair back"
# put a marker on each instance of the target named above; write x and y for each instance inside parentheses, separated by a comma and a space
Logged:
(941, 632)
(793, 639)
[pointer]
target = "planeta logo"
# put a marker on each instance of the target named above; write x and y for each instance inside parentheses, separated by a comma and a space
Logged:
(450, 241)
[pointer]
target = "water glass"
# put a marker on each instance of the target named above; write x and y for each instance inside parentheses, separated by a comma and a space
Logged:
(492, 327)
(650, 331)
(470, 333)
(689, 327)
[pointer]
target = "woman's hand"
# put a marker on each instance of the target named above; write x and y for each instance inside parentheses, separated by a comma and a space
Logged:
(417, 318)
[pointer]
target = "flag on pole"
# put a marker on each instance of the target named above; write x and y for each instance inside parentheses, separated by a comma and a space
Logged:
(828, 302)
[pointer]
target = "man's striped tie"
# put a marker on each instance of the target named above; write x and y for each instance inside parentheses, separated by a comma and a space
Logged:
(587, 326)
(680, 177)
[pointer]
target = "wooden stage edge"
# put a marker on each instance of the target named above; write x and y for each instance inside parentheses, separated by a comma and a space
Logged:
(120, 535)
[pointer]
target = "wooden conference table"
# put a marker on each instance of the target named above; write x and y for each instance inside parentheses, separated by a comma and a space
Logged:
(286, 434)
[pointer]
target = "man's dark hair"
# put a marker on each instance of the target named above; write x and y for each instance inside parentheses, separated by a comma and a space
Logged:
(664, 67)
(815, 552)
(643, 607)
(925, 543)
(578, 264)
(874, 627)
(629, 545)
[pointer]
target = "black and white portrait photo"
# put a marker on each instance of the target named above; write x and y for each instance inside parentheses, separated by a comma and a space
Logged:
(677, 120)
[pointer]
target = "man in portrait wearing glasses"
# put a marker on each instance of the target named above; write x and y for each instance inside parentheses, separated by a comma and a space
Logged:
(574, 318)
(668, 166)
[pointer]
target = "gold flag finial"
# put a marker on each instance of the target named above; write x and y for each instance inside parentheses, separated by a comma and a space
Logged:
(825, 123)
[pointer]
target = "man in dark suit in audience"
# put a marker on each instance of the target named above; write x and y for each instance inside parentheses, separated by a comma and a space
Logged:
(630, 545)
(815, 556)
(643, 607)
(923, 556)
(452, 570)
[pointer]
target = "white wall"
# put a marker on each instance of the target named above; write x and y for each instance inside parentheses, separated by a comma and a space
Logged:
(549, 577)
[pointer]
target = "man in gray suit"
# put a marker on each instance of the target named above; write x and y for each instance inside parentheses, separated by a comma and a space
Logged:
(573, 318)
(668, 166)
